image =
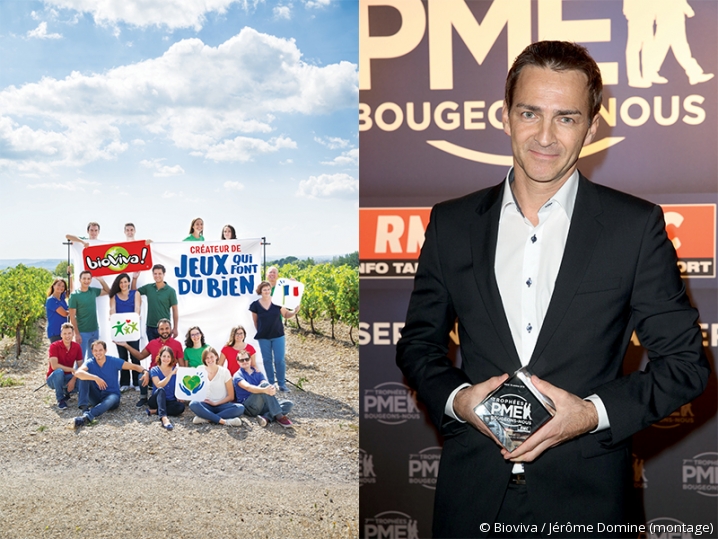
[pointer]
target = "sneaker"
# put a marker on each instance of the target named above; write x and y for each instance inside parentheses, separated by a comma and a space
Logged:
(66, 396)
(142, 402)
(80, 421)
(137, 388)
(263, 421)
(62, 405)
(284, 389)
(233, 422)
(124, 388)
(284, 421)
(199, 420)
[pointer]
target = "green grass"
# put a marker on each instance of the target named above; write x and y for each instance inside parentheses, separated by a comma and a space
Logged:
(9, 381)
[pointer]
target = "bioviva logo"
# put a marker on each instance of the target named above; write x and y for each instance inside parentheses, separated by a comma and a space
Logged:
(653, 29)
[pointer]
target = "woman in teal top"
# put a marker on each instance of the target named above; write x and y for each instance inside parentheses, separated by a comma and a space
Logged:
(195, 230)
(194, 346)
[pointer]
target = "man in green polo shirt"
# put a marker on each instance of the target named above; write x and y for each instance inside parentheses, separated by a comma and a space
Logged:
(161, 297)
(83, 311)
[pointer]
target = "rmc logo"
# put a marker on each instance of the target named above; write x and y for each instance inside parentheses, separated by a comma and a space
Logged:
(441, 20)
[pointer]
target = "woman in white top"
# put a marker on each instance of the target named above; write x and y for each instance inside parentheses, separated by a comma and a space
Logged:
(218, 406)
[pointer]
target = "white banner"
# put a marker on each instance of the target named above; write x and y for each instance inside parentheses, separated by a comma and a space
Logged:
(215, 282)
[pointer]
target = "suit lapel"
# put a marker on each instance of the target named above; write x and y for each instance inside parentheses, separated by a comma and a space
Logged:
(483, 236)
(580, 243)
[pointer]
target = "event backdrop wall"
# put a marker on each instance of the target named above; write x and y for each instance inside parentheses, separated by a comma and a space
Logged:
(432, 74)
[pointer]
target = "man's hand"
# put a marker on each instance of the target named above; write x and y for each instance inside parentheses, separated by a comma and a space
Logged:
(467, 399)
(78, 337)
(71, 384)
(574, 416)
(174, 333)
(145, 378)
(101, 383)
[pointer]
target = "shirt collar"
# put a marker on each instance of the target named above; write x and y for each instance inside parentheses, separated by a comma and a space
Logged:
(565, 196)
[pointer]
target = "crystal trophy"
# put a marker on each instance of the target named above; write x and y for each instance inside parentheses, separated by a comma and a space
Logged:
(515, 410)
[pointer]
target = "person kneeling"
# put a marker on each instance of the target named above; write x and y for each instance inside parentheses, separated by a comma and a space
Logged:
(257, 395)
(99, 385)
(219, 406)
(163, 401)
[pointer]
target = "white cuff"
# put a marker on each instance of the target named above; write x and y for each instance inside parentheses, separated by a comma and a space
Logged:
(603, 422)
(449, 408)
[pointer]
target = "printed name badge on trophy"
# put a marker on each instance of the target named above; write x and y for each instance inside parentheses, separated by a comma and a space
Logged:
(515, 410)
(287, 293)
(191, 384)
(125, 327)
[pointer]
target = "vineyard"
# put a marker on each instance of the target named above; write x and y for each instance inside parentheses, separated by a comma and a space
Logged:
(331, 292)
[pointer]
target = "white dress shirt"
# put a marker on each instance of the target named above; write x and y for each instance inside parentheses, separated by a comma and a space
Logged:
(527, 261)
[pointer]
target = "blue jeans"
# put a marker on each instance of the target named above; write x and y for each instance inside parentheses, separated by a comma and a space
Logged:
(164, 407)
(101, 401)
(261, 404)
(58, 381)
(86, 344)
(152, 333)
(273, 357)
(228, 410)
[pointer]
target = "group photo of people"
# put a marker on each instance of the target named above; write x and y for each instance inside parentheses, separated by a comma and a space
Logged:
(81, 363)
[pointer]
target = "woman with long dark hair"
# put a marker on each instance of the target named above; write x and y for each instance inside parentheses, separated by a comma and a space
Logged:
(125, 300)
(56, 309)
(163, 401)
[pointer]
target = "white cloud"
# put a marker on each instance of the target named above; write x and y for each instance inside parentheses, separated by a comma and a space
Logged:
(244, 148)
(282, 12)
(170, 194)
(233, 186)
(41, 32)
(203, 99)
(71, 185)
(144, 13)
(333, 143)
(317, 3)
(162, 171)
(329, 186)
(348, 158)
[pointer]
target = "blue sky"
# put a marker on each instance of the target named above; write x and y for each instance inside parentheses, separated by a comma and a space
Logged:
(159, 111)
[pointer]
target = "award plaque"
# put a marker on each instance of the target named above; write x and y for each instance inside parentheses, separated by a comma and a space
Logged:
(515, 410)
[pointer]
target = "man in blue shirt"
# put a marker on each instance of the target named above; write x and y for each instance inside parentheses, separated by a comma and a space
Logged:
(99, 385)
(256, 394)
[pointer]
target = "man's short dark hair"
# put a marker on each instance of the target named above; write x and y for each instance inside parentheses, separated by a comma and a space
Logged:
(83, 273)
(93, 223)
(164, 321)
(159, 267)
(558, 56)
(99, 343)
(67, 325)
(130, 224)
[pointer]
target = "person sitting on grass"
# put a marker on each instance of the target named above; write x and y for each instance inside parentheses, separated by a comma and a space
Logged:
(258, 396)
(163, 401)
(235, 345)
(219, 406)
(64, 355)
(99, 385)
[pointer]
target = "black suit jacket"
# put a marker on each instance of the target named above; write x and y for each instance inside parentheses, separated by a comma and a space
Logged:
(618, 274)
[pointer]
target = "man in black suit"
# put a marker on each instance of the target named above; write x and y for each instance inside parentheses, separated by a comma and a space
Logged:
(549, 271)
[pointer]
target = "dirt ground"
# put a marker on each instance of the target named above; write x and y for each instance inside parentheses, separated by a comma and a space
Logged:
(128, 477)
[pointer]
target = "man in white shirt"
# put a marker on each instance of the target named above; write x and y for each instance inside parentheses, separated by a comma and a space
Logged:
(549, 271)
